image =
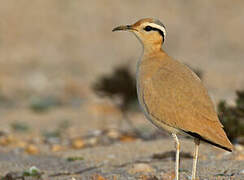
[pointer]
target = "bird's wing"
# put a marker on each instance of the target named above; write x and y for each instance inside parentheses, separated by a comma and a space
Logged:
(177, 97)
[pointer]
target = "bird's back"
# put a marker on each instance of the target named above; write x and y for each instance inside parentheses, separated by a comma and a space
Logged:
(172, 95)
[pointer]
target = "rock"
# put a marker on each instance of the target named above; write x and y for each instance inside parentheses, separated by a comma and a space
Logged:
(239, 157)
(21, 144)
(78, 143)
(148, 177)
(31, 149)
(92, 141)
(113, 134)
(56, 148)
(167, 176)
(98, 177)
(239, 147)
(141, 168)
(13, 176)
(6, 140)
(127, 138)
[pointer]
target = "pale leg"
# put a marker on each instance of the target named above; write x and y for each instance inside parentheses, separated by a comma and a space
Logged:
(194, 165)
(177, 156)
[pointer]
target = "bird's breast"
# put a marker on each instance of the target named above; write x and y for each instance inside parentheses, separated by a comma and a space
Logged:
(143, 80)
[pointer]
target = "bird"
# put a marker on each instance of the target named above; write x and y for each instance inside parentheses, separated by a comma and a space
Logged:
(171, 95)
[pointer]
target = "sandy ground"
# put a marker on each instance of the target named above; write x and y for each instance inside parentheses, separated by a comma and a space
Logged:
(122, 158)
(128, 161)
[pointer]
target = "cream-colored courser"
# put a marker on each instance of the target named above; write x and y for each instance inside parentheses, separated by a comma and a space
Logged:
(171, 95)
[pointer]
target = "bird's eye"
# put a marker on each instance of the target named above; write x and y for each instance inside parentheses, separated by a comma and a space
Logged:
(148, 28)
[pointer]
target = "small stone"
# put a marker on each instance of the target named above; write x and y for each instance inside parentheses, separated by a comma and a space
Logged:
(6, 140)
(239, 157)
(78, 143)
(168, 176)
(92, 141)
(31, 149)
(239, 147)
(98, 177)
(127, 138)
(56, 148)
(13, 175)
(21, 144)
(96, 132)
(113, 134)
(141, 168)
(148, 177)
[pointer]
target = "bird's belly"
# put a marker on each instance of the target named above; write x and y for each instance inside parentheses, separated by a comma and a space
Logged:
(158, 123)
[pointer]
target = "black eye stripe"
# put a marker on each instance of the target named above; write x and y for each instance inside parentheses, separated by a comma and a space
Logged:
(150, 28)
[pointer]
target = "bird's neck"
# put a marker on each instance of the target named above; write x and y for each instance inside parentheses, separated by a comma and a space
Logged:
(152, 48)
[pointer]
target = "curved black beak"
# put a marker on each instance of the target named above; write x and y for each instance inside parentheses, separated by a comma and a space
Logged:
(123, 28)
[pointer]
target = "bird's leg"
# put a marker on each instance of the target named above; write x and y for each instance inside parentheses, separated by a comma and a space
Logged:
(177, 156)
(194, 166)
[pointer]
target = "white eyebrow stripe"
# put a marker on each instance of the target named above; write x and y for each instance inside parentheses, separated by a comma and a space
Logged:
(158, 27)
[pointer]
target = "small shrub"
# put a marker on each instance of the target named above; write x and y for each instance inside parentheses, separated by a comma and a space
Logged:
(39, 104)
(121, 83)
(75, 158)
(20, 126)
(233, 117)
(33, 172)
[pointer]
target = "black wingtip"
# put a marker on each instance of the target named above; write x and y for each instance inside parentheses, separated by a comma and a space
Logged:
(207, 141)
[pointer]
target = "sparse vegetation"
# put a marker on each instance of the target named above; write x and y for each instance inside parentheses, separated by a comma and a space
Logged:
(33, 172)
(76, 158)
(233, 117)
(55, 135)
(42, 104)
(20, 126)
(120, 84)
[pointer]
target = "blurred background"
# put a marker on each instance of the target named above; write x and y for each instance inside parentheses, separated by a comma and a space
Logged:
(65, 78)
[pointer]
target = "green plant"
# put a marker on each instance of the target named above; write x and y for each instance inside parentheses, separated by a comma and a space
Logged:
(75, 158)
(33, 172)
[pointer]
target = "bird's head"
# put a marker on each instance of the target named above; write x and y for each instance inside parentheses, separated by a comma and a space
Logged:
(150, 32)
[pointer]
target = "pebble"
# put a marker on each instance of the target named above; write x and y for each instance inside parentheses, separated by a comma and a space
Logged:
(78, 143)
(99, 177)
(92, 141)
(95, 133)
(6, 140)
(31, 149)
(56, 148)
(126, 138)
(239, 157)
(21, 144)
(141, 168)
(113, 134)
(239, 147)
(167, 176)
